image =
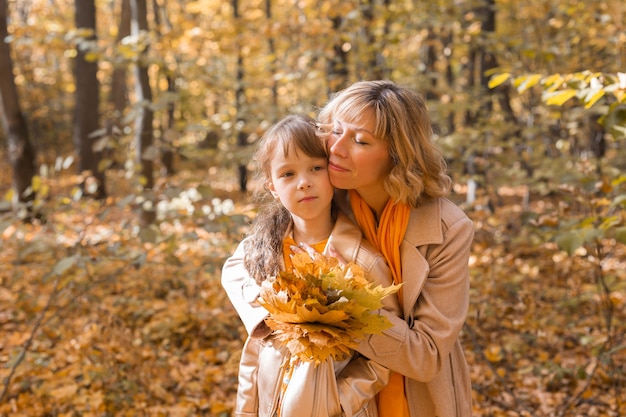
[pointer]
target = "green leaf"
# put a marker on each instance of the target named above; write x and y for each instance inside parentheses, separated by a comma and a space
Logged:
(619, 200)
(569, 242)
(620, 234)
(63, 265)
(590, 235)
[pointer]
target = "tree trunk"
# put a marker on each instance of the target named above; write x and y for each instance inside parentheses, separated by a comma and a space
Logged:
(240, 96)
(166, 146)
(118, 95)
(272, 50)
(119, 92)
(86, 117)
(144, 135)
(21, 152)
(376, 62)
(430, 57)
(338, 65)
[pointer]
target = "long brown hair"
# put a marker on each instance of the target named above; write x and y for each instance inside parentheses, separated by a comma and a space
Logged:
(403, 122)
(293, 133)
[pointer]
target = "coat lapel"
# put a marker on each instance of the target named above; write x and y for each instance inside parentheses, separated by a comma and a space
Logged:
(424, 228)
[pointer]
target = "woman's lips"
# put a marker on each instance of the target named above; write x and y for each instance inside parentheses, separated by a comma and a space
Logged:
(336, 167)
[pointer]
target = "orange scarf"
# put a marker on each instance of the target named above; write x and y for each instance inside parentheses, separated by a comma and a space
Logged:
(387, 237)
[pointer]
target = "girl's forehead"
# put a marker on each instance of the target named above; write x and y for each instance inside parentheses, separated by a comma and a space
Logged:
(286, 148)
(283, 147)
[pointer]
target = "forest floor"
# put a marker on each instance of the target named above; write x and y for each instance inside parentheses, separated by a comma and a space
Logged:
(102, 317)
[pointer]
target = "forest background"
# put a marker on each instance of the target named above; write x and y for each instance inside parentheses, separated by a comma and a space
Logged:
(128, 127)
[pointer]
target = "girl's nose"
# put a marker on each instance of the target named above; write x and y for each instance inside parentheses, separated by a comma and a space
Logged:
(304, 183)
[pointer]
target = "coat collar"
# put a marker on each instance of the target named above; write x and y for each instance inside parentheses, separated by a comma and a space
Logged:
(424, 228)
(345, 237)
(425, 224)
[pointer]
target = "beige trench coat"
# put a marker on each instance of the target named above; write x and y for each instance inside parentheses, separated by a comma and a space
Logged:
(424, 346)
(345, 388)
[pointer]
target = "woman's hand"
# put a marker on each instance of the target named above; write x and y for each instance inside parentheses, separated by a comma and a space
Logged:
(335, 254)
(332, 252)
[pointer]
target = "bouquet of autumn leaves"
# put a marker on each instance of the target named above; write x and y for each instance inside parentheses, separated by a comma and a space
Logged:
(321, 309)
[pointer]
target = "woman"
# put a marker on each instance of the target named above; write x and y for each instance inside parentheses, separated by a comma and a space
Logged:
(381, 152)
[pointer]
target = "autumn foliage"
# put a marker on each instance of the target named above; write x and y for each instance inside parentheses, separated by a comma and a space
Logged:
(102, 317)
(321, 309)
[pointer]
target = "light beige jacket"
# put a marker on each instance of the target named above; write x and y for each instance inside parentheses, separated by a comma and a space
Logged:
(424, 344)
(334, 388)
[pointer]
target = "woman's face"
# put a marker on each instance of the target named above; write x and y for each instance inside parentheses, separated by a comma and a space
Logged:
(357, 159)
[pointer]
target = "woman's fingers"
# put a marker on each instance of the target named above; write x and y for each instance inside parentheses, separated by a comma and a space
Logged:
(296, 249)
(332, 252)
(309, 249)
(335, 254)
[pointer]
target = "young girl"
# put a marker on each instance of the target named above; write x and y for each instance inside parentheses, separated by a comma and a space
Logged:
(292, 163)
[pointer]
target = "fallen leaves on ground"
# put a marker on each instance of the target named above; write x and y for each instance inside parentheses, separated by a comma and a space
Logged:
(101, 317)
(98, 320)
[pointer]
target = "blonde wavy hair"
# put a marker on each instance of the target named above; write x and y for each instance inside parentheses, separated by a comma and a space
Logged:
(403, 122)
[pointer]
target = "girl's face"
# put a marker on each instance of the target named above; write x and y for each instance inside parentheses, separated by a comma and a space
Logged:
(301, 183)
(358, 160)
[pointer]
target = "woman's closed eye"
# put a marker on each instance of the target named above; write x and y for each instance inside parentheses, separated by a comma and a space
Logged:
(356, 138)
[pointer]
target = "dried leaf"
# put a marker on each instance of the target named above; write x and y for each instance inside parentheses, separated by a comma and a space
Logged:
(322, 309)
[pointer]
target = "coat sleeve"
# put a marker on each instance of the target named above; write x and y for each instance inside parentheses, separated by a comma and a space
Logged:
(418, 345)
(247, 403)
(243, 292)
(359, 382)
(363, 378)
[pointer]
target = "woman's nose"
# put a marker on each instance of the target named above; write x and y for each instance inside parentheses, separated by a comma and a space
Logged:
(336, 145)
